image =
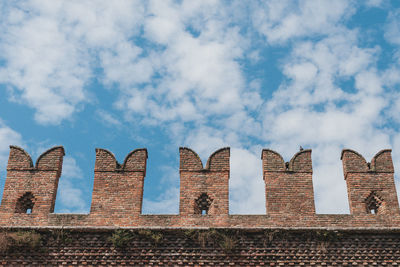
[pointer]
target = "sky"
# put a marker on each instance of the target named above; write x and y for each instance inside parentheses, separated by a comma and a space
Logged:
(204, 74)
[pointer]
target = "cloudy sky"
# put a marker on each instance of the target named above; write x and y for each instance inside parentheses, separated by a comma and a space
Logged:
(205, 74)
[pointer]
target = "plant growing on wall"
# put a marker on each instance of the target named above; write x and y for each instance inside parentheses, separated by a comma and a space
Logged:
(121, 238)
(225, 239)
(19, 240)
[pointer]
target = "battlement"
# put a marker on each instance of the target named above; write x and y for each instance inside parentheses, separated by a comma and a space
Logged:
(204, 191)
(353, 162)
(300, 162)
(288, 186)
(49, 160)
(30, 192)
(31, 188)
(190, 161)
(370, 186)
(134, 161)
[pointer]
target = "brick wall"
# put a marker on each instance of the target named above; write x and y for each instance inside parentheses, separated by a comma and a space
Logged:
(288, 186)
(204, 193)
(118, 188)
(31, 189)
(370, 186)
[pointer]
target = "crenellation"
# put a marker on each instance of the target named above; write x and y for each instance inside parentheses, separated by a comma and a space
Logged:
(219, 160)
(301, 162)
(136, 161)
(196, 181)
(30, 192)
(370, 186)
(30, 189)
(288, 189)
(19, 159)
(189, 160)
(51, 159)
(105, 161)
(272, 161)
(353, 162)
(118, 189)
(382, 161)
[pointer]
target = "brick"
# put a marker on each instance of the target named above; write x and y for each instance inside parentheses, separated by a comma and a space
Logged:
(370, 186)
(288, 186)
(118, 192)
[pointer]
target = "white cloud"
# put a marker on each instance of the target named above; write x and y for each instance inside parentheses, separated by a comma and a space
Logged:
(315, 70)
(70, 196)
(374, 3)
(49, 47)
(280, 21)
(71, 168)
(123, 65)
(107, 118)
(196, 62)
(8, 137)
(43, 68)
(247, 187)
(166, 203)
(392, 29)
(50, 53)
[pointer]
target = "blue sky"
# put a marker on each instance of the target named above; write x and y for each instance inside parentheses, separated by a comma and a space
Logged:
(207, 74)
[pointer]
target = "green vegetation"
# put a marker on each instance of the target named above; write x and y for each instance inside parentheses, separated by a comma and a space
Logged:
(62, 236)
(121, 238)
(155, 236)
(19, 239)
(223, 238)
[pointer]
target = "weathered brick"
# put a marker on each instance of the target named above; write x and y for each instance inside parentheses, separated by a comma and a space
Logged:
(118, 192)
(288, 186)
(38, 182)
(370, 186)
(208, 185)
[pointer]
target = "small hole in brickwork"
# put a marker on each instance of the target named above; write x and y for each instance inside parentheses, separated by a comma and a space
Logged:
(373, 211)
(373, 202)
(203, 204)
(25, 203)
